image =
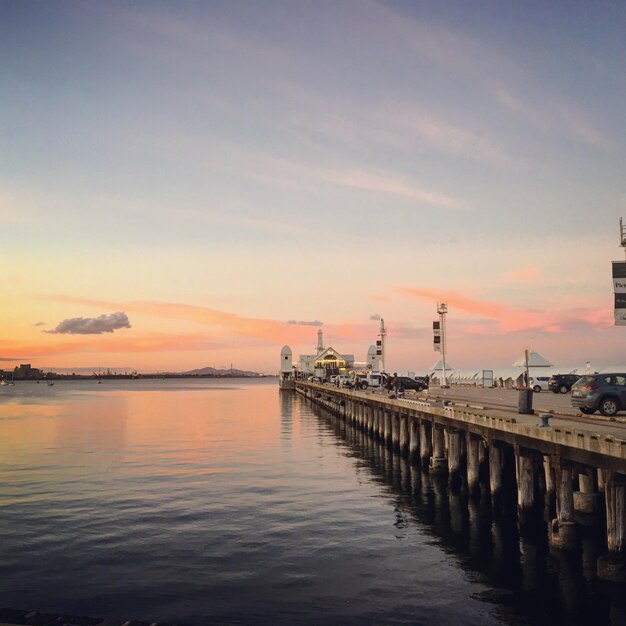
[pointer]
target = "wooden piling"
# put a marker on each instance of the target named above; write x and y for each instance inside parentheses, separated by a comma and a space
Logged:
(438, 461)
(525, 475)
(454, 457)
(473, 464)
(612, 566)
(395, 430)
(586, 499)
(563, 529)
(426, 447)
(404, 434)
(413, 437)
(496, 463)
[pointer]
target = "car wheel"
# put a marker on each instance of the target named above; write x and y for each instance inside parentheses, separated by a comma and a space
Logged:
(364, 385)
(609, 407)
(563, 389)
(536, 388)
(586, 411)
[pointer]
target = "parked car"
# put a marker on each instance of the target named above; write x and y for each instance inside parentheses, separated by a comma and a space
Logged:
(600, 392)
(539, 383)
(562, 383)
(423, 382)
(406, 383)
(371, 380)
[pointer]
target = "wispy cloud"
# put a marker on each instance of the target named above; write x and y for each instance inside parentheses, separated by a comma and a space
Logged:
(91, 325)
(287, 170)
(394, 185)
(300, 323)
(554, 114)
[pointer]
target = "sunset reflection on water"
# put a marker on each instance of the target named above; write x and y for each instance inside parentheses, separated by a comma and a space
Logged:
(201, 500)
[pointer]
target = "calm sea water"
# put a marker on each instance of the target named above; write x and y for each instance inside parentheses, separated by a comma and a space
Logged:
(228, 502)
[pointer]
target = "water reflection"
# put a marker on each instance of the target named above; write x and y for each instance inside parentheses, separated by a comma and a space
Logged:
(286, 416)
(543, 585)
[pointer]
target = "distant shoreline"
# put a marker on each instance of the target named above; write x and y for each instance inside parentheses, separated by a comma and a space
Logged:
(52, 376)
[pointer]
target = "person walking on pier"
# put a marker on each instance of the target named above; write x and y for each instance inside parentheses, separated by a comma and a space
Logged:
(395, 383)
(388, 383)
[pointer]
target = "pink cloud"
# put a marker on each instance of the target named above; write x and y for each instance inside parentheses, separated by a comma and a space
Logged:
(510, 319)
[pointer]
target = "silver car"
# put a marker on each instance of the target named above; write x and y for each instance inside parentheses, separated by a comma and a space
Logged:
(600, 392)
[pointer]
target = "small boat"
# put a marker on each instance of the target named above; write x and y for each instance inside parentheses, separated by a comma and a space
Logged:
(50, 384)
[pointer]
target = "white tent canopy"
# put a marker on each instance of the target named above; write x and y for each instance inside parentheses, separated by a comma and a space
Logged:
(534, 360)
(438, 366)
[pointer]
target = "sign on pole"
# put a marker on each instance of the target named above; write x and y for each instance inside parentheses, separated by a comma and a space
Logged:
(437, 336)
(619, 288)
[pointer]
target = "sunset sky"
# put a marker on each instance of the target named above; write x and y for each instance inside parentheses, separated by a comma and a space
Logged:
(180, 182)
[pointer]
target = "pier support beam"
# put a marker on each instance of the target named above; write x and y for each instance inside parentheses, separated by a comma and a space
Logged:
(613, 565)
(369, 419)
(455, 450)
(387, 436)
(404, 434)
(395, 430)
(438, 461)
(525, 474)
(413, 438)
(473, 464)
(548, 475)
(496, 466)
(586, 499)
(426, 442)
(563, 529)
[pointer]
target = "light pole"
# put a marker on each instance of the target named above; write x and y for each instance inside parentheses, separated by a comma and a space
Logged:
(383, 334)
(442, 309)
(526, 359)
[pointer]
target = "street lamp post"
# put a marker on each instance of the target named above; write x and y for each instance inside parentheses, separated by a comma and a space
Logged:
(442, 309)
(382, 334)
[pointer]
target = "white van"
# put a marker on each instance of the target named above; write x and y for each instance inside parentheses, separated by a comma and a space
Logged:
(373, 379)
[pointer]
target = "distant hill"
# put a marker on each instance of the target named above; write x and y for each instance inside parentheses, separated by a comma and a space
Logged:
(212, 371)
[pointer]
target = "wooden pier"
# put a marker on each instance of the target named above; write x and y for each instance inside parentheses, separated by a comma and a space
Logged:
(579, 467)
